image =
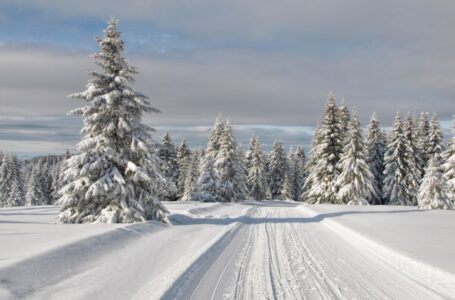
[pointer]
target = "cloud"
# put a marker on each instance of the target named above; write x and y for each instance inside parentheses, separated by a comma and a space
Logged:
(259, 62)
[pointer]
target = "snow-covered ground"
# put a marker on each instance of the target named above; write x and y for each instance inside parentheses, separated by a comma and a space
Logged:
(250, 250)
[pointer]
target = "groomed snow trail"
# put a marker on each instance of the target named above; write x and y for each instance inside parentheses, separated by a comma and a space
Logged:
(247, 250)
(280, 251)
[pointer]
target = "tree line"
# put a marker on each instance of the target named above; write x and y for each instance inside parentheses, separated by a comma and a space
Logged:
(119, 175)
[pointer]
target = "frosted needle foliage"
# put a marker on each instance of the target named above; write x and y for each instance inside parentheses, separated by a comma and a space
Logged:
(116, 177)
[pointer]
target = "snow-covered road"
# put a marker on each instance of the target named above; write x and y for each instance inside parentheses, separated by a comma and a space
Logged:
(281, 251)
(252, 250)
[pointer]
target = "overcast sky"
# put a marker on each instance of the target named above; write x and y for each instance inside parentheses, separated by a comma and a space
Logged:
(267, 65)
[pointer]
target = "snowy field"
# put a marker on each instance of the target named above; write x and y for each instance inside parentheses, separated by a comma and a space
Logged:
(250, 250)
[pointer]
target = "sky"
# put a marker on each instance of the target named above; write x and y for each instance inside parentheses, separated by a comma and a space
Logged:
(266, 65)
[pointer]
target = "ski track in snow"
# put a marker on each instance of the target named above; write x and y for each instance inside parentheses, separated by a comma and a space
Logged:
(284, 252)
(251, 250)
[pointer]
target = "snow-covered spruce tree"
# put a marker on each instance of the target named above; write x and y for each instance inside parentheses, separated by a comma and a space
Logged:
(115, 178)
(435, 137)
(183, 159)
(310, 163)
(57, 180)
(169, 166)
(320, 186)
(345, 118)
(214, 143)
(36, 194)
(11, 192)
(300, 152)
(208, 181)
(449, 164)
(278, 167)
(293, 181)
(412, 137)
(190, 190)
(257, 175)
(401, 180)
(434, 190)
(355, 180)
(375, 148)
(228, 165)
(249, 153)
(46, 178)
(168, 155)
(424, 140)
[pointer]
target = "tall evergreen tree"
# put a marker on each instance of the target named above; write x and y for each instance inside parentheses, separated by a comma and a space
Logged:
(449, 164)
(320, 186)
(423, 140)
(11, 192)
(249, 153)
(412, 136)
(183, 159)
(345, 119)
(168, 155)
(355, 180)
(401, 179)
(116, 177)
(169, 166)
(293, 181)
(228, 165)
(278, 166)
(310, 163)
(208, 181)
(434, 191)
(190, 190)
(435, 137)
(257, 175)
(36, 194)
(214, 143)
(375, 148)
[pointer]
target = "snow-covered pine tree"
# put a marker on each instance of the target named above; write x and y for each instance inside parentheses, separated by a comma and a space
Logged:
(168, 155)
(36, 194)
(208, 181)
(293, 181)
(449, 164)
(303, 171)
(46, 180)
(57, 180)
(412, 135)
(434, 190)
(11, 192)
(423, 140)
(214, 143)
(16, 195)
(435, 137)
(401, 180)
(249, 153)
(115, 178)
(278, 167)
(183, 159)
(191, 179)
(228, 165)
(345, 119)
(375, 148)
(169, 166)
(310, 163)
(257, 175)
(355, 180)
(320, 186)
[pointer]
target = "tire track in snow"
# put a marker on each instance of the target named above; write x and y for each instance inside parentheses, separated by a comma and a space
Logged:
(282, 252)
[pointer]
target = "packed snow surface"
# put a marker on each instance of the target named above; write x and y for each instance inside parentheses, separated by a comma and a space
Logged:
(249, 250)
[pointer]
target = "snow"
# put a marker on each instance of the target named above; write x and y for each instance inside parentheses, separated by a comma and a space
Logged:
(261, 250)
(30, 231)
(425, 235)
